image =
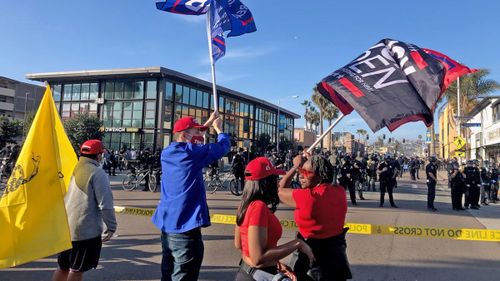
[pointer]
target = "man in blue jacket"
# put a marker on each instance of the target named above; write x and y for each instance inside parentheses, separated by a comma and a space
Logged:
(183, 209)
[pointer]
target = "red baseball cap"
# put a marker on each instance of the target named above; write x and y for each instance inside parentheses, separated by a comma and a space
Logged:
(187, 123)
(260, 168)
(91, 147)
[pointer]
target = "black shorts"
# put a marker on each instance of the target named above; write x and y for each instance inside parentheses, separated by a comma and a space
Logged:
(82, 257)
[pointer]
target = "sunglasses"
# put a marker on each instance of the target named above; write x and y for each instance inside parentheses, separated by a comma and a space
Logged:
(305, 173)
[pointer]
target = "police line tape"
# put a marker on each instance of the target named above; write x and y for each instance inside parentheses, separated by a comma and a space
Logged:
(361, 228)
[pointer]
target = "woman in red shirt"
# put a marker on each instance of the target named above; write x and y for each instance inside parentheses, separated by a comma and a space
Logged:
(320, 211)
(257, 229)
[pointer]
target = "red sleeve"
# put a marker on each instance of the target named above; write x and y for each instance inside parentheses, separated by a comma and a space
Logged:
(299, 196)
(258, 214)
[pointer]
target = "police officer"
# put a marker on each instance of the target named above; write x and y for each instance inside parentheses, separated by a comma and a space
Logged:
(494, 184)
(372, 172)
(457, 184)
(431, 172)
(473, 184)
(386, 174)
(358, 178)
(346, 180)
(485, 183)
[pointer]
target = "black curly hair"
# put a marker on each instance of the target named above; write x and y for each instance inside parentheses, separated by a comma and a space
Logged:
(323, 168)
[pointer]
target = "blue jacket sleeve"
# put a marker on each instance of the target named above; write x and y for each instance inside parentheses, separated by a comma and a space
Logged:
(215, 151)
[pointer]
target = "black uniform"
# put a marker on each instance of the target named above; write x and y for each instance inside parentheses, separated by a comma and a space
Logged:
(372, 174)
(494, 185)
(238, 169)
(457, 183)
(473, 183)
(346, 180)
(358, 177)
(386, 182)
(431, 169)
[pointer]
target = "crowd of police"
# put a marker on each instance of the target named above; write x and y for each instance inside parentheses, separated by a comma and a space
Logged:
(473, 183)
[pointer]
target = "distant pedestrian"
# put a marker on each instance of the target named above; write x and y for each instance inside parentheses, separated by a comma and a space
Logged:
(89, 201)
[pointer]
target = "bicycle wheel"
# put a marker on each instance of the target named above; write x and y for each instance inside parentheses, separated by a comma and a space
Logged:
(152, 183)
(130, 182)
(213, 185)
(233, 187)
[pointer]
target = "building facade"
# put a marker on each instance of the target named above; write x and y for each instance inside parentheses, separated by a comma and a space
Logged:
(304, 137)
(17, 98)
(139, 106)
(447, 132)
(483, 130)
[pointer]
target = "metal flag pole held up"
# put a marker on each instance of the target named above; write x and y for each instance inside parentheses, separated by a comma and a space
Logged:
(325, 133)
(212, 63)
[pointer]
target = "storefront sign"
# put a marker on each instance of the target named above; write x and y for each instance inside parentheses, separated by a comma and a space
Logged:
(121, 130)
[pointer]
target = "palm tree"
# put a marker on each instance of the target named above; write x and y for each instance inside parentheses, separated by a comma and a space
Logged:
(307, 115)
(327, 111)
(471, 87)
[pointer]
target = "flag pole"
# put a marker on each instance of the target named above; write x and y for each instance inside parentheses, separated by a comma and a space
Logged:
(310, 149)
(212, 63)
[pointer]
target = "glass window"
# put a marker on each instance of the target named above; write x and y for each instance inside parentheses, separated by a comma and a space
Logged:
(56, 90)
(84, 107)
(151, 90)
(185, 95)
(119, 89)
(66, 110)
(93, 109)
(169, 90)
(137, 114)
(178, 93)
(167, 121)
(109, 89)
(192, 97)
(139, 90)
(107, 114)
(76, 92)
(199, 98)
(67, 92)
(94, 90)
(85, 91)
(75, 109)
(205, 100)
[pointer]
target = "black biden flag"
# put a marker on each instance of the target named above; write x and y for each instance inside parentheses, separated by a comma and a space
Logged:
(392, 83)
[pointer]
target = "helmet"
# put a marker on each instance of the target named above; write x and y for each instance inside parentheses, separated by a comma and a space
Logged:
(387, 157)
(432, 158)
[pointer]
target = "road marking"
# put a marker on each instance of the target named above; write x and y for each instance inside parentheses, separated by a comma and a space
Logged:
(468, 234)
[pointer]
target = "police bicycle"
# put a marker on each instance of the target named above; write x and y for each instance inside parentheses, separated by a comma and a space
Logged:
(138, 176)
(216, 180)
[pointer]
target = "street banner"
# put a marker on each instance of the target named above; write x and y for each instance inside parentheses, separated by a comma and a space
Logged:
(33, 221)
(392, 83)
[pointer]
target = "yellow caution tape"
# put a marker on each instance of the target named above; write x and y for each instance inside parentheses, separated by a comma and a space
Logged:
(362, 228)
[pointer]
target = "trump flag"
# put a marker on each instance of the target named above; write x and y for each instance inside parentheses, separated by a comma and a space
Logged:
(227, 18)
(33, 221)
(392, 83)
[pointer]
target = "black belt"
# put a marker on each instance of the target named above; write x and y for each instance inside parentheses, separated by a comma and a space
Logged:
(250, 270)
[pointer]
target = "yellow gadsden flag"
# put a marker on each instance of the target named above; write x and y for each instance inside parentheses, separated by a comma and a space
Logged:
(33, 222)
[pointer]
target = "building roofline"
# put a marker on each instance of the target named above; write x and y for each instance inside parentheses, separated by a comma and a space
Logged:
(155, 71)
(13, 81)
(481, 105)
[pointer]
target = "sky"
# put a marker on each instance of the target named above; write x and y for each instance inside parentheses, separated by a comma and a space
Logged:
(297, 43)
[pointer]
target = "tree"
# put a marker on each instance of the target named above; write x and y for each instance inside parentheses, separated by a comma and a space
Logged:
(327, 111)
(263, 142)
(307, 115)
(9, 130)
(81, 128)
(471, 86)
(28, 120)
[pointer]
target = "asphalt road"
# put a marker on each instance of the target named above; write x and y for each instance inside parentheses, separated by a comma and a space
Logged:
(135, 253)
